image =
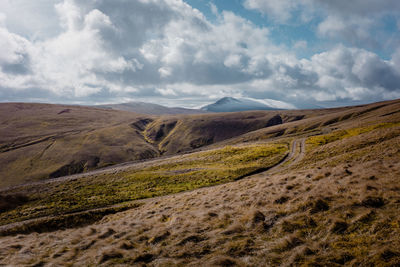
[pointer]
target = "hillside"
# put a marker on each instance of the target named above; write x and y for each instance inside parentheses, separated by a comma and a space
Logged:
(184, 133)
(322, 190)
(42, 141)
(174, 134)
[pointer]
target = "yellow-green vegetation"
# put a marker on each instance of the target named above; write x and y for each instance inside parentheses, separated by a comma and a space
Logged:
(170, 176)
(320, 140)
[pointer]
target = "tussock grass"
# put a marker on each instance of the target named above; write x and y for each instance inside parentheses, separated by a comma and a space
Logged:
(48, 224)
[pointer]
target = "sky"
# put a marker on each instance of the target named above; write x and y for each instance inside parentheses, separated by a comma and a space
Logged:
(303, 53)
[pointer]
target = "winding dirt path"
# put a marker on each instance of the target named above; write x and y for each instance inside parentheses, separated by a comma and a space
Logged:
(296, 153)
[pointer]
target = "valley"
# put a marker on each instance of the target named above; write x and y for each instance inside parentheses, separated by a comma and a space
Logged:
(281, 187)
(187, 133)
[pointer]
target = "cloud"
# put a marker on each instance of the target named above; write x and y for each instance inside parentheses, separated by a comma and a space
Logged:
(345, 74)
(204, 53)
(15, 60)
(31, 19)
(349, 29)
(353, 22)
(152, 49)
(358, 22)
(278, 10)
(282, 11)
(361, 7)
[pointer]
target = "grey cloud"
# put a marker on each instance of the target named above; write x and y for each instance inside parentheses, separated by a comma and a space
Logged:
(354, 21)
(207, 74)
(348, 21)
(304, 78)
(286, 8)
(20, 68)
(135, 21)
(33, 19)
(346, 70)
(31, 94)
(376, 72)
(111, 50)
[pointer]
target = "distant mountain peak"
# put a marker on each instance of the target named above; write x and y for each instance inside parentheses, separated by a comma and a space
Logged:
(226, 99)
(230, 104)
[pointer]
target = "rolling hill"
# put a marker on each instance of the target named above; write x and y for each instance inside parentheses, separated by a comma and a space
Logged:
(310, 188)
(42, 141)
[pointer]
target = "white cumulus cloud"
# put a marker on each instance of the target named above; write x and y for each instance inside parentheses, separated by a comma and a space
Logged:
(149, 49)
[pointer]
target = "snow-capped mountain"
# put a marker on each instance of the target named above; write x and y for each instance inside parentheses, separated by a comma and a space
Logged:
(230, 104)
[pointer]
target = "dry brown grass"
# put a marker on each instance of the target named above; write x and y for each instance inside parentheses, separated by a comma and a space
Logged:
(338, 206)
(239, 224)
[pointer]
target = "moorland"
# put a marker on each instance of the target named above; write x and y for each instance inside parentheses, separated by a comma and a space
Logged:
(84, 186)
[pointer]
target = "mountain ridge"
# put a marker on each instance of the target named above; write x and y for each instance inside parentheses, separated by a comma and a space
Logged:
(149, 108)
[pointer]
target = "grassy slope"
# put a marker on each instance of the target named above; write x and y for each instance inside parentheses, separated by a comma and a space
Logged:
(39, 141)
(339, 205)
